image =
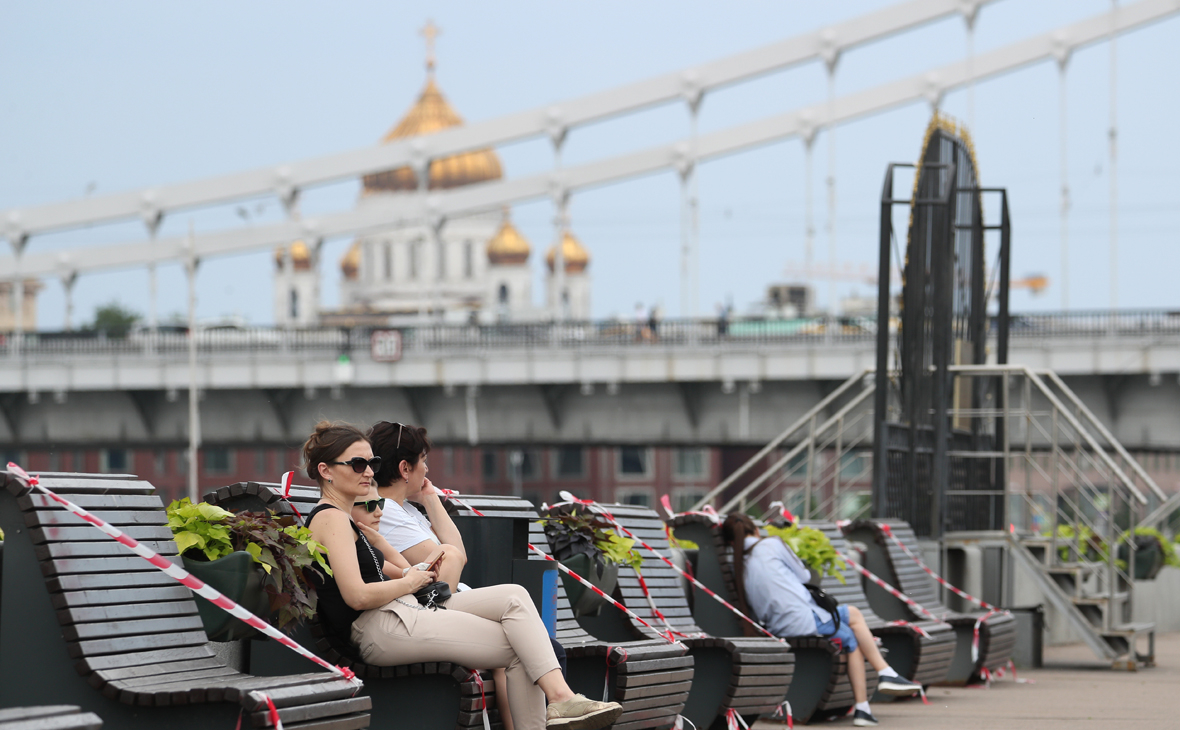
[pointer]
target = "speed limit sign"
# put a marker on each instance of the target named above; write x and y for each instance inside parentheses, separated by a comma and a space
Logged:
(386, 345)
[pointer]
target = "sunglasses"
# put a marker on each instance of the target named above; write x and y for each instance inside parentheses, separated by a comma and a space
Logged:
(372, 505)
(359, 463)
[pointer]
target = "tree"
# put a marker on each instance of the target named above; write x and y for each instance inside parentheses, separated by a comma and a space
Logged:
(114, 320)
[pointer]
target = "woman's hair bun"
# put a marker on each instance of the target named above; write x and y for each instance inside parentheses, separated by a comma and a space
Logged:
(326, 443)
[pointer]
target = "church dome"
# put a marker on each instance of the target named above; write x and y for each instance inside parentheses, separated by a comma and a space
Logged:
(508, 247)
(350, 263)
(577, 258)
(431, 113)
(300, 256)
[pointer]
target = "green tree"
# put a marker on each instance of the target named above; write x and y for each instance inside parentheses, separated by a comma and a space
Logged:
(114, 320)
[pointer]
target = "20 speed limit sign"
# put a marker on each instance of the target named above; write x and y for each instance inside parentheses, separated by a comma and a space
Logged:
(386, 345)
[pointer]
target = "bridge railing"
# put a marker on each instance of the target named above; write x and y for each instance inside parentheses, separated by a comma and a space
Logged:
(601, 334)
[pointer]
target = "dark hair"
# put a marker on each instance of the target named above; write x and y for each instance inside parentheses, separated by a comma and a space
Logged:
(329, 440)
(395, 443)
(734, 531)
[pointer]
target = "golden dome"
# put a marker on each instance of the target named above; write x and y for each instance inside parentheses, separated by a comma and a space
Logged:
(577, 258)
(300, 256)
(350, 263)
(431, 113)
(508, 247)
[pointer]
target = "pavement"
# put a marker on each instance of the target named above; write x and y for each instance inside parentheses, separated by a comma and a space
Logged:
(1073, 690)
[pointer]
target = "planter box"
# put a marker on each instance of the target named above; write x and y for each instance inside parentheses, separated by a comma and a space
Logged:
(584, 601)
(240, 579)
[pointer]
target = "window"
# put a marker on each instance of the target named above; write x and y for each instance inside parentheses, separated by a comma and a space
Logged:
(796, 468)
(685, 498)
(570, 462)
(218, 460)
(261, 465)
(640, 496)
(634, 461)
(448, 461)
(852, 467)
(503, 295)
(79, 462)
(294, 304)
(491, 466)
(114, 460)
(468, 259)
(161, 459)
(414, 258)
(691, 463)
(182, 461)
(534, 497)
(388, 251)
(54, 461)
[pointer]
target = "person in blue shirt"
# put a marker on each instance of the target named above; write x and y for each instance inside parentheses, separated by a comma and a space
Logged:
(771, 583)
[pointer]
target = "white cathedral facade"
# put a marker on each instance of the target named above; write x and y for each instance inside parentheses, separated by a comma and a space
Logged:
(476, 269)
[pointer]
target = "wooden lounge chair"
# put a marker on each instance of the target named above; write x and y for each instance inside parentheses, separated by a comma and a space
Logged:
(84, 621)
(920, 650)
(819, 688)
(426, 695)
(48, 717)
(997, 632)
(650, 678)
(749, 675)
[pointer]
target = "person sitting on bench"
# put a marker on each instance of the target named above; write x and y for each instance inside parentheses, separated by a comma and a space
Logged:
(771, 583)
(368, 600)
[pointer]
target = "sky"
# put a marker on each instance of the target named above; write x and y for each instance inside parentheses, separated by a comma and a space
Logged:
(102, 97)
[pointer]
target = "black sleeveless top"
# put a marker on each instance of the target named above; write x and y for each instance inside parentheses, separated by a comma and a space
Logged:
(336, 614)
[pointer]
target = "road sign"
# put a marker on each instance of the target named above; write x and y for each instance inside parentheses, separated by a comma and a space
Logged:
(386, 345)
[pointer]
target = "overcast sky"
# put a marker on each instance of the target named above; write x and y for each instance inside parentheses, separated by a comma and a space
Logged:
(103, 97)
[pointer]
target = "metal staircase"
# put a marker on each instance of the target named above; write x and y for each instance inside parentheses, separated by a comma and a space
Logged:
(1068, 489)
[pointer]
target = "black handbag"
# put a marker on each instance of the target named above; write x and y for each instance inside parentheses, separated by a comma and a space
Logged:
(433, 595)
(827, 603)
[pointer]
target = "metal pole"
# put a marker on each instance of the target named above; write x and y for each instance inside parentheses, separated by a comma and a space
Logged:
(688, 218)
(194, 413)
(881, 376)
(1063, 118)
(67, 282)
(810, 471)
(808, 208)
(831, 192)
(1114, 177)
(560, 226)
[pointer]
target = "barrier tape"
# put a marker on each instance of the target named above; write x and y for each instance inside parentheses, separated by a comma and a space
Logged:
(706, 511)
(784, 710)
(705, 589)
(893, 592)
(733, 720)
(597, 590)
(782, 510)
(189, 581)
(483, 700)
(942, 581)
(286, 482)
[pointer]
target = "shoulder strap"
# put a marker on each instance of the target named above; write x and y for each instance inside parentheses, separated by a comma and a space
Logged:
(316, 510)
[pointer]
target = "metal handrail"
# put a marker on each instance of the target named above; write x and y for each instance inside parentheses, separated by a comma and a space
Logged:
(774, 443)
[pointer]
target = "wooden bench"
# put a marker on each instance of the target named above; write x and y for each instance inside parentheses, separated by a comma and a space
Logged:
(920, 650)
(83, 620)
(819, 688)
(427, 695)
(997, 633)
(749, 675)
(48, 717)
(650, 678)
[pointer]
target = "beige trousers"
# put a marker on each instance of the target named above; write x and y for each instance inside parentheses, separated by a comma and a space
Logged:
(484, 628)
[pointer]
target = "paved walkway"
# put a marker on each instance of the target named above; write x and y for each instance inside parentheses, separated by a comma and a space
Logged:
(1073, 690)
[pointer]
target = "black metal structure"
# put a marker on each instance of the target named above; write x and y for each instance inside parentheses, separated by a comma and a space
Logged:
(922, 470)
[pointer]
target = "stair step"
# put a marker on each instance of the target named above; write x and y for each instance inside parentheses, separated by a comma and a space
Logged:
(1099, 600)
(1130, 629)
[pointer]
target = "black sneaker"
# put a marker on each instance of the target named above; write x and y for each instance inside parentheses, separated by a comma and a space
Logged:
(899, 686)
(863, 719)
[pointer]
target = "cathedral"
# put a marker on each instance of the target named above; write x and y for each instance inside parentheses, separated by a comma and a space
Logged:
(479, 269)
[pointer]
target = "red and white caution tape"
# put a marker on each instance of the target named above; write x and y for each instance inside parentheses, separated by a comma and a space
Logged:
(782, 510)
(185, 578)
(601, 510)
(706, 511)
(289, 477)
(893, 592)
(942, 581)
(598, 590)
(784, 711)
(733, 720)
(483, 700)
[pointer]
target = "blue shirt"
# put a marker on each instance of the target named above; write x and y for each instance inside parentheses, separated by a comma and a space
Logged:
(775, 589)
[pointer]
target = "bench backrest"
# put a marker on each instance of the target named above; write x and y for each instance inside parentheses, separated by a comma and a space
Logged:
(904, 573)
(850, 592)
(115, 608)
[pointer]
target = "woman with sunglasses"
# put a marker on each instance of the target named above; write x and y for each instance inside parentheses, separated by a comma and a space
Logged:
(367, 600)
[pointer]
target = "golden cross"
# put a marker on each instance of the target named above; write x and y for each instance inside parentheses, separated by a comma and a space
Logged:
(430, 31)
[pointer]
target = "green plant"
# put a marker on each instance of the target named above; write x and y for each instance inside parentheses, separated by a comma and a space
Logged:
(114, 320)
(1166, 545)
(572, 530)
(286, 551)
(813, 548)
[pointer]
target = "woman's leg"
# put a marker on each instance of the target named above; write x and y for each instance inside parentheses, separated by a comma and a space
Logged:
(464, 639)
(856, 675)
(867, 644)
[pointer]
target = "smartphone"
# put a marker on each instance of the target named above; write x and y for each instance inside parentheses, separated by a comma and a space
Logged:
(435, 560)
